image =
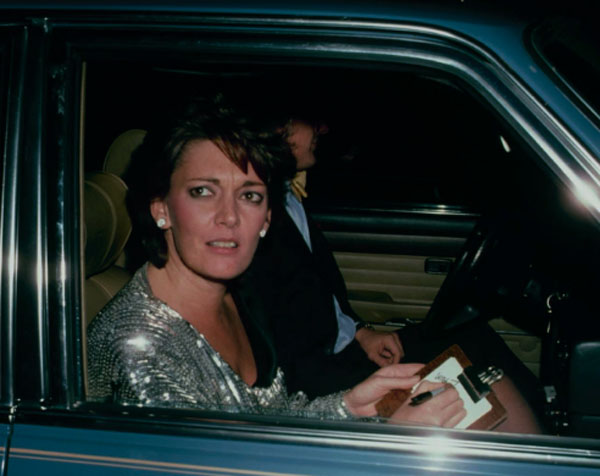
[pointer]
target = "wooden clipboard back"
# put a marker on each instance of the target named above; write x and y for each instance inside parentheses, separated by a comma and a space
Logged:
(390, 402)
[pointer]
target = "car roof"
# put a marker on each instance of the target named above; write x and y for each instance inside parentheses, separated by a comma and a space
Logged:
(429, 11)
(476, 19)
(470, 18)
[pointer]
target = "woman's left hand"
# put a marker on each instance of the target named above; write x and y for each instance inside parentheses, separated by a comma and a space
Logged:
(361, 400)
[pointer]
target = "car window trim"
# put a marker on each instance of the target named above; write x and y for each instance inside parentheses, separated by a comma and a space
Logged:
(497, 85)
(381, 55)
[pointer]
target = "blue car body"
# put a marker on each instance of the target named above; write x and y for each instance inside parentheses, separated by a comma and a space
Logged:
(47, 426)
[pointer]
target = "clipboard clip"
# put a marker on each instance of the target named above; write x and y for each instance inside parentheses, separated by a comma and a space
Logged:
(477, 382)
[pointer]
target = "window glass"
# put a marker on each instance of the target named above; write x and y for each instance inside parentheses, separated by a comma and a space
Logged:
(392, 138)
(404, 140)
(389, 140)
(570, 47)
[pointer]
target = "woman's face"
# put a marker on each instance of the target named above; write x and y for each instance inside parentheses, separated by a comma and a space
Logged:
(214, 213)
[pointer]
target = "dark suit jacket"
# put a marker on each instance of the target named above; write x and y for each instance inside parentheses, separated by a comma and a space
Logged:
(297, 288)
(290, 290)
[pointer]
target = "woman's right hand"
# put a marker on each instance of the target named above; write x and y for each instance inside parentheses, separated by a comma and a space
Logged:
(445, 409)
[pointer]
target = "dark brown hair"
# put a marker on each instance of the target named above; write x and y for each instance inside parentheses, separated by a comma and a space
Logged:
(242, 137)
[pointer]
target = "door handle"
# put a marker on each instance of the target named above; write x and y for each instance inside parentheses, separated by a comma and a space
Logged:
(438, 265)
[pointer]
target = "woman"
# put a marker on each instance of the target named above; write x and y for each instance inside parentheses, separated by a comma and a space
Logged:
(201, 192)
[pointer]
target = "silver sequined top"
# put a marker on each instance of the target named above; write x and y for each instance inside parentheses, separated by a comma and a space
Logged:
(142, 352)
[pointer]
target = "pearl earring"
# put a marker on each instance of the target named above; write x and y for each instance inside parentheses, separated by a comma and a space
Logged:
(262, 233)
(161, 222)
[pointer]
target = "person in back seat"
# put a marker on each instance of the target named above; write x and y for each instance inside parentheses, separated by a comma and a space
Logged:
(323, 346)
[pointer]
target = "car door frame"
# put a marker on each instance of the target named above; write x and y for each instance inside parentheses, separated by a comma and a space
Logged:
(49, 289)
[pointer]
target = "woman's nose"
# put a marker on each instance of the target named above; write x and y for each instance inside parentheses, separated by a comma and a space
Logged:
(228, 213)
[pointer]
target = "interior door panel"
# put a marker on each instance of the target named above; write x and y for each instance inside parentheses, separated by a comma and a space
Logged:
(385, 288)
(393, 262)
(394, 267)
(386, 258)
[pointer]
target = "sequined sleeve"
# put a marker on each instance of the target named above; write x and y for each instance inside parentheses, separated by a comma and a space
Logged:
(142, 352)
(330, 406)
(134, 359)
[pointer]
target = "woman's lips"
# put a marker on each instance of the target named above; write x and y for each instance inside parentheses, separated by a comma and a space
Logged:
(225, 244)
(223, 247)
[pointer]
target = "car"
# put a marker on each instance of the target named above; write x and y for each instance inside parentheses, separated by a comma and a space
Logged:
(459, 179)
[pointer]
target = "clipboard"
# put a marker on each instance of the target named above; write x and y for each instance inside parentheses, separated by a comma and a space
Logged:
(484, 410)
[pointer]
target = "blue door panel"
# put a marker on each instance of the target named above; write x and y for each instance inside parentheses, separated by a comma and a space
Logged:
(37, 450)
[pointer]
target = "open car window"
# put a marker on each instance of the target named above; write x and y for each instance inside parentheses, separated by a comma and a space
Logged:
(416, 153)
(399, 139)
(566, 46)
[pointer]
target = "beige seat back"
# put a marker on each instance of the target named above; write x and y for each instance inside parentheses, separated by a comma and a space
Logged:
(108, 226)
(119, 153)
(107, 229)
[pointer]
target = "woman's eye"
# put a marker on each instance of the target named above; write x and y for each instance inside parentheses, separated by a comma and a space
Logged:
(253, 197)
(200, 192)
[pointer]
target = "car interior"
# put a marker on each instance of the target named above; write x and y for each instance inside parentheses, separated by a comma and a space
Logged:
(436, 211)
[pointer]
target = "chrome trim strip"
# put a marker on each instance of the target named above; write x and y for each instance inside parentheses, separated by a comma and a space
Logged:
(441, 444)
(394, 439)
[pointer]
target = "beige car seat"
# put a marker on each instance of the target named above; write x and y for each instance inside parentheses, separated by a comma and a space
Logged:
(107, 229)
(119, 153)
(107, 224)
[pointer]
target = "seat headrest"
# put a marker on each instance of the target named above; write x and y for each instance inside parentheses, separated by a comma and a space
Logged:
(119, 153)
(107, 223)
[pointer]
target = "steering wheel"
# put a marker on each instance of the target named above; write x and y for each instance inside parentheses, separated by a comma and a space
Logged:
(491, 272)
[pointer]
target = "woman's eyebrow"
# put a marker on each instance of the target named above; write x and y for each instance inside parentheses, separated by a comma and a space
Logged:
(252, 183)
(216, 181)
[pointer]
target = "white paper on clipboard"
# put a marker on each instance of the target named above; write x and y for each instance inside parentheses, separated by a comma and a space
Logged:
(448, 372)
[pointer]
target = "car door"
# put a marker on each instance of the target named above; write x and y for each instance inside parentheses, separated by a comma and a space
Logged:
(57, 429)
